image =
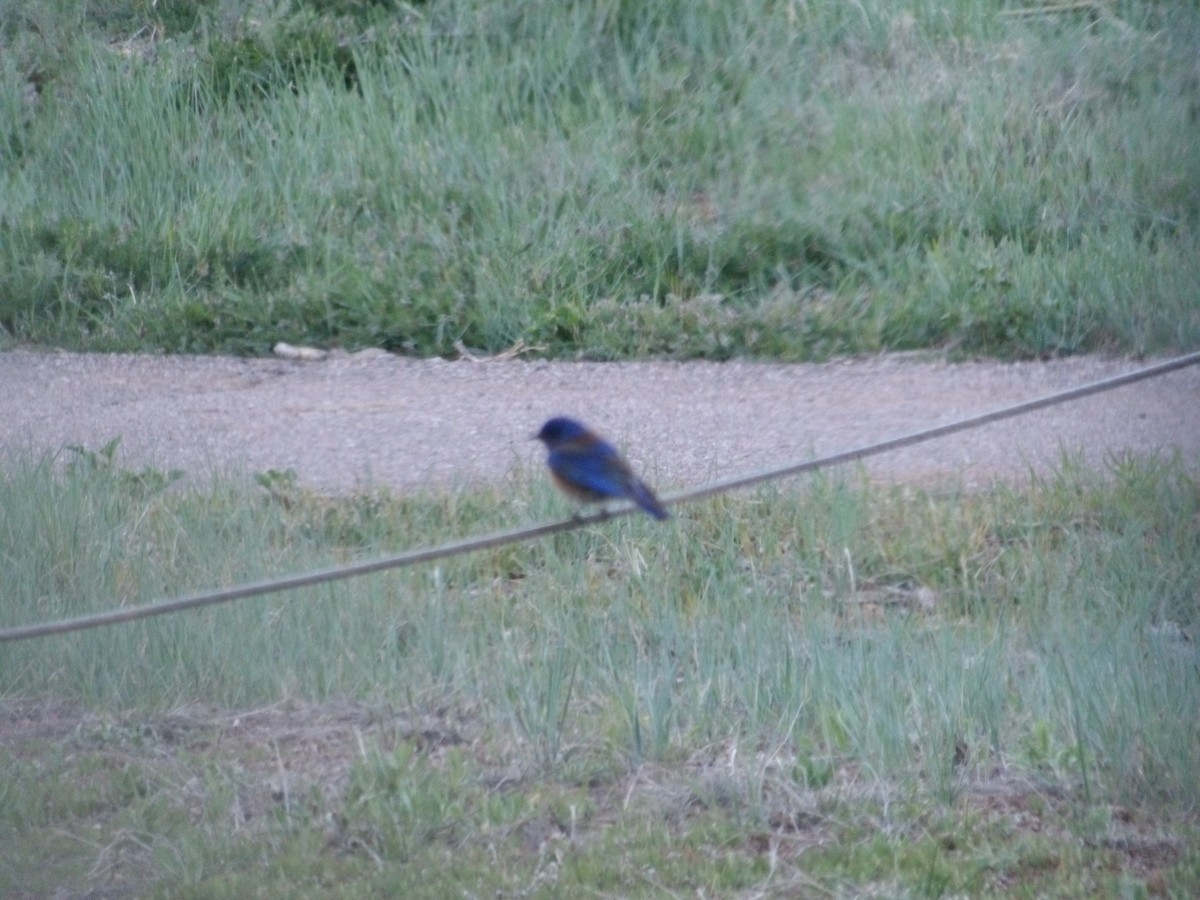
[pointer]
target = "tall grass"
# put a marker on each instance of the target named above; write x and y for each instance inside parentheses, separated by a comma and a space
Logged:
(771, 179)
(924, 636)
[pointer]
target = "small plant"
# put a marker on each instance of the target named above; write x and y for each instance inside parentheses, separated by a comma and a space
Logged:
(397, 801)
(145, 482)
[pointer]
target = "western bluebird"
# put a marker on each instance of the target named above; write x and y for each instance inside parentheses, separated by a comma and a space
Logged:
(590, 469)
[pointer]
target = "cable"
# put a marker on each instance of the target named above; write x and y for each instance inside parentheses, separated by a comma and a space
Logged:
(929, 434)
(500, 538)
(305, 579)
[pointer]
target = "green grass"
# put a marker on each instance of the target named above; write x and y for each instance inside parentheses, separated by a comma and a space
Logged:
(827, 687)
(609, 180)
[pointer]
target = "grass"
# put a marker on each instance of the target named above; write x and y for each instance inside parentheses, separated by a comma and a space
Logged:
(608, 180)
(831, 688)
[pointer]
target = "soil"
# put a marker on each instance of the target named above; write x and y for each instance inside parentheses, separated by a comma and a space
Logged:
(351, 420)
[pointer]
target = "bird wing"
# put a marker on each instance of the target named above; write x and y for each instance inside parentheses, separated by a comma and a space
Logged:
(594, 467)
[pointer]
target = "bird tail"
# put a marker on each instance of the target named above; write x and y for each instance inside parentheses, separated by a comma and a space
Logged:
(644, 497)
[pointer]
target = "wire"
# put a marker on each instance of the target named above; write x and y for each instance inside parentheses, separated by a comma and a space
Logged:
(929, 434)
(305, 579)
(501, 538)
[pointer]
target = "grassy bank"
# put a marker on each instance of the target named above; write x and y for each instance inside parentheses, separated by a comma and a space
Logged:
(762, 178)
(836, 689)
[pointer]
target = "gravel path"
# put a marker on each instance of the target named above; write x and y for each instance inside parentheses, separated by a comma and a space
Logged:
(372, 417)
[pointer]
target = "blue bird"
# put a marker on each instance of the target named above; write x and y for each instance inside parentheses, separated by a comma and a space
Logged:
(589, 469)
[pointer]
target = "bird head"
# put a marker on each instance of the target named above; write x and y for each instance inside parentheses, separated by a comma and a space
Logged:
(560, 429)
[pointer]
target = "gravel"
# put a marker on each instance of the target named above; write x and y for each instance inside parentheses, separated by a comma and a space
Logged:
(351, 420)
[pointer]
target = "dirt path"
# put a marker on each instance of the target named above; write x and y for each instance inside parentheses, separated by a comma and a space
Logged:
(374, 417)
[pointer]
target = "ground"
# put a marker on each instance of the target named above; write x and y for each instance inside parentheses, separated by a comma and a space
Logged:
(348, 419)
(352, 419)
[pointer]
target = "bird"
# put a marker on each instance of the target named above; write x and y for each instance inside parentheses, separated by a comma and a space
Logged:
(589, 469)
